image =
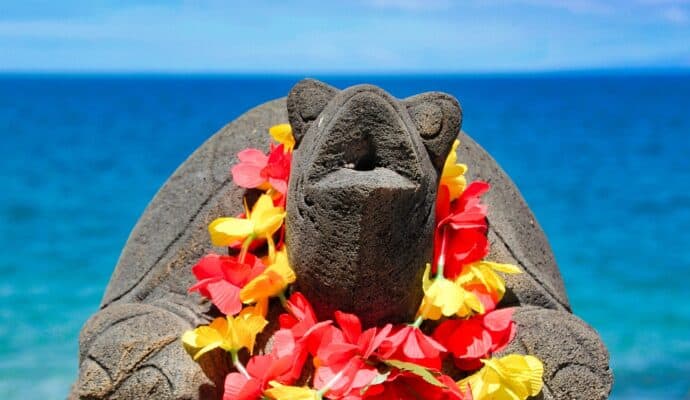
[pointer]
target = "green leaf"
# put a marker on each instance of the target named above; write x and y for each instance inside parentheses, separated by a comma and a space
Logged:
(417, 370)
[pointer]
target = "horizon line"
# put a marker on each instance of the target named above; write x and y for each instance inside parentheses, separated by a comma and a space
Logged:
(680, 70)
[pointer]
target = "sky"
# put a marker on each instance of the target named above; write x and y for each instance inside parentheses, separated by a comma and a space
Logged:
(358, 36)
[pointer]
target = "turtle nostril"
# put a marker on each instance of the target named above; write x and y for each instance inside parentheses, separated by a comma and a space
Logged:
(361, 156)
(366, 163)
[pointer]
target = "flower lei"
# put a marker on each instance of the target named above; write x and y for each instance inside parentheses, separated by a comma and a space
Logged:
(461, 290)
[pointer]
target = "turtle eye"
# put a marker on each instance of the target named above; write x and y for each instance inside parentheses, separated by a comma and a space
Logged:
(429, 119)
(306, 101)
(438, 118)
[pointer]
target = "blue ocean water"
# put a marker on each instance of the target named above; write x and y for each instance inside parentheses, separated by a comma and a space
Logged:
(603, 160)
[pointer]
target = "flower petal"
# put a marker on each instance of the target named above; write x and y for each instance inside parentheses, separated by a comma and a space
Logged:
(350, 325)
(225, 231)
(252, 156)
(225, 296)
(283, 392)
(247, 175)
(238, 387)
(282, 133)
(513, 377)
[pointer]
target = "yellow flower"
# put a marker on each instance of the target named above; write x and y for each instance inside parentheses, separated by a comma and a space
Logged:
(230, 334)
(282, 134)
(271, 282)
(263, 221)
(453, 175)
(443, 297)
(283, 392)
(513, 377)
(484, 272)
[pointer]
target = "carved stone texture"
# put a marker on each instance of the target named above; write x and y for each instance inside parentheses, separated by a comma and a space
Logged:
(362, 193)
(576, 362)
(131, 347)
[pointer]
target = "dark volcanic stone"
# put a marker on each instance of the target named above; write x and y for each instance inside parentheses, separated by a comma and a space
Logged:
(131, 347)
(362, 193)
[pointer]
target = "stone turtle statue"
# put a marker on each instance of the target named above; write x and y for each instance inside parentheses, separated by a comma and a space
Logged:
(360, 220)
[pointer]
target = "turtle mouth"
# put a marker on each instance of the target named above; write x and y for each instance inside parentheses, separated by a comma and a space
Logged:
(368, 139)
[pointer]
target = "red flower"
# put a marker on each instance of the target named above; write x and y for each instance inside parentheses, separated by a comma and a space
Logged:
(341, 358)
(464, 247)
(464, 223)
(302, 322)
(283, 364)
(402, 385)
(220, 279)
(301, 316)
(239, 387)
(257, 170)
(467, 212)
(349, 340)
(475, 338)
(410, 344)
(345, 381)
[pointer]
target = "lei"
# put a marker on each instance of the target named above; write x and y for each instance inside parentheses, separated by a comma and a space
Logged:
(458, 325)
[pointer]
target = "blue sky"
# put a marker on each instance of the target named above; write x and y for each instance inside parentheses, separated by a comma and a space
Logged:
(343, 37)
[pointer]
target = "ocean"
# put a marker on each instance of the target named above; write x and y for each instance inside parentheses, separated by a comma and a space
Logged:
(602, 159)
